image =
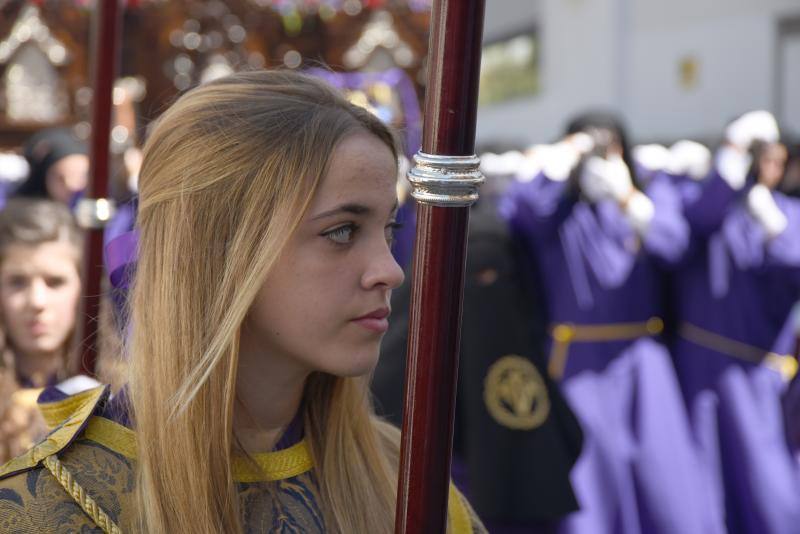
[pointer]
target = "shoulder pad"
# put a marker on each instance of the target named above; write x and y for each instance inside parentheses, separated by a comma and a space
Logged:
(74, 412)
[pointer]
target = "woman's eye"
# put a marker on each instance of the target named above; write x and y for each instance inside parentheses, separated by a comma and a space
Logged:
(342, 235)
(55, 281)
(16, 282)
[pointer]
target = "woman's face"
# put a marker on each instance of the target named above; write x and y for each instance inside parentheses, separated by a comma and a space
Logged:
(772, 164)
(324, 306)
(39, 292)
(68, 176)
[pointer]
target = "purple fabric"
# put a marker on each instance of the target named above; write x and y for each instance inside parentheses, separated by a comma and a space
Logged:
(50, 394)
(395, 78)
(740, 285)
(120, 241)
(120, 258)
(791, 416)
(7, 189)
(639, 470)
(403, 244)
(118, 408)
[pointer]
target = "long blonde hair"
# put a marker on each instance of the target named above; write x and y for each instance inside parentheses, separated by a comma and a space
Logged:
(228, 173)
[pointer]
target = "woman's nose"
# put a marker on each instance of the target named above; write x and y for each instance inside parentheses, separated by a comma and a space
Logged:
(383, 270)
(37, 294)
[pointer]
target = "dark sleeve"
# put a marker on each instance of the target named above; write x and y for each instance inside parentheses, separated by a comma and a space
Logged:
(706, 212)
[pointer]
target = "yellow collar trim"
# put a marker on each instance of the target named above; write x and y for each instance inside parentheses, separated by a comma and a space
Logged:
(60, 437)
(55, 412)
(460, 521)
(263, 467)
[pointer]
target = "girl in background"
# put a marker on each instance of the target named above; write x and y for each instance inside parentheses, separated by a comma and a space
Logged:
(40, 289)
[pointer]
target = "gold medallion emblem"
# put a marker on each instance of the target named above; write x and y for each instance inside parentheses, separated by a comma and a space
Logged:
(515, 393)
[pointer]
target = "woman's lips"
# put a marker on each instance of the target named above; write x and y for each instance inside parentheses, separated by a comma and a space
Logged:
(37, 328)
(376, 321)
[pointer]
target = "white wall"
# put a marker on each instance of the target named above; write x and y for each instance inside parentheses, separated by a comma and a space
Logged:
(578, 30)
(625, 55)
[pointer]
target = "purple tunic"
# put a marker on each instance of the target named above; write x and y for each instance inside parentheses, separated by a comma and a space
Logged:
(638, 471)
(733, 296)
(789, 343)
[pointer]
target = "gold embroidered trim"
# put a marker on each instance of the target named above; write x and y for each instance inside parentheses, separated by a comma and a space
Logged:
(460, 521)
(55, 412)
(785, 364)
(262, 467)
(515, 394)
(564, 334)
(111, 435)
(79, 495)
(272, 466)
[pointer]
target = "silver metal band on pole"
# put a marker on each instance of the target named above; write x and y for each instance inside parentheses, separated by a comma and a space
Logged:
(94, 213)
(448, 181)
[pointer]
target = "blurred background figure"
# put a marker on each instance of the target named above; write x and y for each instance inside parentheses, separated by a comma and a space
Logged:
(733, 296)
(516, 439)
(40, 290)
(59, 166)
(13, 171)
(598, 239)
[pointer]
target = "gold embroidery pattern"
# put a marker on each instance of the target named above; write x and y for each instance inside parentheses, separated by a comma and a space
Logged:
(76, 491)
(515, 393)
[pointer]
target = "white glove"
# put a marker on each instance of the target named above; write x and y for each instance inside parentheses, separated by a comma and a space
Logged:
(763, 208)
(606, 179)
(652, 157)
(733, 165)
(752, 126)
(501, 164)
(560, 159)
(13, 168)
(689, 158)
(639, 210)
(532, 163)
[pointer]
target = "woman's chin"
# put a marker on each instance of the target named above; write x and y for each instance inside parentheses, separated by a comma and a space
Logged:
(357, 363)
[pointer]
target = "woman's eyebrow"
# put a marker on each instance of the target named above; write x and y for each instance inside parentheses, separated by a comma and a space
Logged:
(356, 209)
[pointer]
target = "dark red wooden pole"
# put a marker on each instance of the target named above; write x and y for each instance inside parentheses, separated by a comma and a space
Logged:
(93, 211)
(439, 261)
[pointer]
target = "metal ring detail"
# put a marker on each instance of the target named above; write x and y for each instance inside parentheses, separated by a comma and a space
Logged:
(447, 181)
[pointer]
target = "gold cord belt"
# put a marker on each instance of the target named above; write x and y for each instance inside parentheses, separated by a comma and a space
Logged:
(785, 364)
(79, 495)
(564, 334)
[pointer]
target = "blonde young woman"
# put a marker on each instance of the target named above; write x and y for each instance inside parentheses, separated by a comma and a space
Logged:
(258, 306)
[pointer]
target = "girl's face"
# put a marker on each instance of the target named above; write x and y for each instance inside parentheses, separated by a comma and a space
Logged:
(324, 307)
(39, 292)
(68, 176)
(772, 164)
